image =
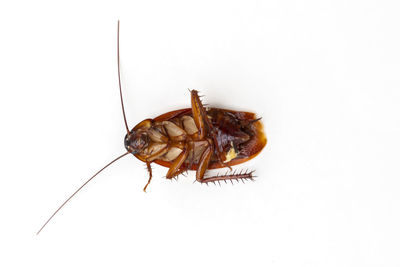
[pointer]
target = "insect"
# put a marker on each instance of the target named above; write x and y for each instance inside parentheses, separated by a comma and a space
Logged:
(196, 138)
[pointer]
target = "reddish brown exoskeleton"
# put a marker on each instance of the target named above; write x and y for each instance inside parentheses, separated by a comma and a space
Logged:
(198, 139)
(195, 138)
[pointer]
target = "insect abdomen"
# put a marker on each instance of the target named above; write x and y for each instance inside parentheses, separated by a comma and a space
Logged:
(239, 133)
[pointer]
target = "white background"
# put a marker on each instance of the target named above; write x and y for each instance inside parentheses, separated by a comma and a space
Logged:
(324, 76)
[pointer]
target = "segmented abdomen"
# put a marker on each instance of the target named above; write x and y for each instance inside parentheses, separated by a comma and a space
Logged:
(239, 133)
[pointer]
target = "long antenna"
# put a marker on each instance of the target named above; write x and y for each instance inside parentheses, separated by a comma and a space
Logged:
(68, 199)
(119, 80)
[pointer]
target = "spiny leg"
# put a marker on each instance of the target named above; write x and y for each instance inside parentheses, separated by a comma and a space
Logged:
(150, 175)
(203, 164)
(205, 126)
(247, 175)
(176, 165)
(199, 114)
(182, 171)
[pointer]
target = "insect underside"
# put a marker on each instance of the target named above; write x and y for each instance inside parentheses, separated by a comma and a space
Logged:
(194, 138)
(198, 139)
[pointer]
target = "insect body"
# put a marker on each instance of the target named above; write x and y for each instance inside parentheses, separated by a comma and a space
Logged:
(195, 138)
(198, 139)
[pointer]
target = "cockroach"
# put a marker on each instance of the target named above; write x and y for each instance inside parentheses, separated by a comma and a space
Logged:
(197, 138)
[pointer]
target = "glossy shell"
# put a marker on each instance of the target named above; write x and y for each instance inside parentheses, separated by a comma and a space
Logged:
(229, 129)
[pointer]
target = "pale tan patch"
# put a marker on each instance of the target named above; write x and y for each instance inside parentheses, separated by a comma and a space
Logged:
(157, 136)
(173, 130)
(154, 148)
(189, 125)
(231, 154)
(172, 154)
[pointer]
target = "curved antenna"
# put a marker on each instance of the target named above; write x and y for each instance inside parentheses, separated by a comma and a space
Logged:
(119, 80)
(68, 199)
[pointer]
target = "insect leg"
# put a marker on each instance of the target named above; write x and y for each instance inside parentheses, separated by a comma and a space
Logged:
(205, 126)
(235, 176)
(199, 114)
(182, 171)
(150, 175)
(232, 176)
(174, 169)
(156, 155)
(203, 164)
